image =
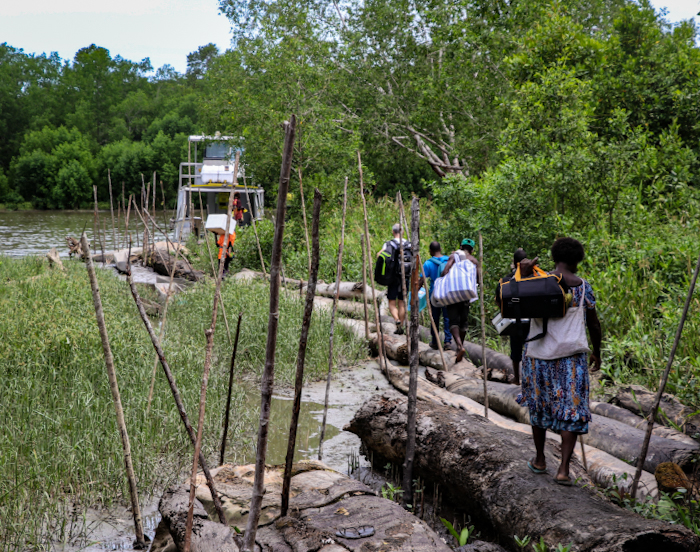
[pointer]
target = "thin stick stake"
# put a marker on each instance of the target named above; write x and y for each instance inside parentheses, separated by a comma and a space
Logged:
(662, 384)
(413, 359)
(483, 325)
(399, 199)
(272, 325)
(111, 207)
(380, 339)
(363, 246)
(207, 367)
(173, 387)
(303, 213)
(430, 313)
(336, 296)
(583, 453)
(114, 388)
(227, 412)
(255, 228)
(301, 354)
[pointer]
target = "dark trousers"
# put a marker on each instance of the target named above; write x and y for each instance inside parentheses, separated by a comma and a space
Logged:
(436, 312)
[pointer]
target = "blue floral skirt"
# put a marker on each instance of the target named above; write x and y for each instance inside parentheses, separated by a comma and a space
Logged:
(556, 392)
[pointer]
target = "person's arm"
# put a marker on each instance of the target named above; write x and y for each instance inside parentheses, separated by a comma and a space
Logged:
(596, 333)
(449, 264)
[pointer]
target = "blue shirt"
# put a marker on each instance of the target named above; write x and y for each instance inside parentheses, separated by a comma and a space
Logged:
(430, 269)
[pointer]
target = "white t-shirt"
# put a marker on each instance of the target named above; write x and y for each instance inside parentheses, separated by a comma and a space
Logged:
(406, 243)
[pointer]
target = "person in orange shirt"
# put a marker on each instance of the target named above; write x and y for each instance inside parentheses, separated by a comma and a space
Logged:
(229, 250)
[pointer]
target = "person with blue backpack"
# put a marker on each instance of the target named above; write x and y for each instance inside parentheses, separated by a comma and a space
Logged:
(433, 268)
(387, 272)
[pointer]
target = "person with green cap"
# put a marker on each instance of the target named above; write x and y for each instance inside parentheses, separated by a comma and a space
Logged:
(458, 313)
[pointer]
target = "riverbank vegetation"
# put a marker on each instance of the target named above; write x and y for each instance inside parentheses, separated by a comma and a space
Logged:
(59, 449)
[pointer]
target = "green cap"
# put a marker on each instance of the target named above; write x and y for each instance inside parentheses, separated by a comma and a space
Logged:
(467, 241)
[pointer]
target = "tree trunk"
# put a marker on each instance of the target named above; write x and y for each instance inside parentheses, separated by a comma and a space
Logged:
(163, 264)
(482, 467)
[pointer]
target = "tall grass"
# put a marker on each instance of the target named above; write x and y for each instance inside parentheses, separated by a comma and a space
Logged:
(59, 447)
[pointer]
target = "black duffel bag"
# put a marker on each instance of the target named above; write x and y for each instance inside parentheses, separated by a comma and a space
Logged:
(538, 296)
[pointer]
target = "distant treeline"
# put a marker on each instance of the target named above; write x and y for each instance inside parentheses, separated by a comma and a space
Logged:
(64, 123)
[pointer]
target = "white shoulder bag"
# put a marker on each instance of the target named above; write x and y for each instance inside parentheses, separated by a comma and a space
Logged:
(565, 336)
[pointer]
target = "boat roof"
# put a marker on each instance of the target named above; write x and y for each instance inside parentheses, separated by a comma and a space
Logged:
(218, 138)
(220, 188)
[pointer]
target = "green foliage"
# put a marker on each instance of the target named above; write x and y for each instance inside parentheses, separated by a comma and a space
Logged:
(522, 542)
(463, 536)
(391, 492)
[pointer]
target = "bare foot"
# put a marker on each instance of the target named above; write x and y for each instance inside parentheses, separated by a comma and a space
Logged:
(460, 355)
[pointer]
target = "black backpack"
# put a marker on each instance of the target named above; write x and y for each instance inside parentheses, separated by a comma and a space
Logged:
(387, 269)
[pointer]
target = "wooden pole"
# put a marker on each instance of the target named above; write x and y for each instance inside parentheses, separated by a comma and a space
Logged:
(338, 278)
(662, 383)
(483, 325)
(111, 207)
(165, 214)
(430, 313)
(116, 397)
(380, 339)
(97, 227)
(364, 284)
(255, 228)
(126, 222)
(272, 325)
(583, 453)
(123, 242)
(399, 199)
(303, 212)
(207, 367)
(301, 354)
(173, 388)
(230, 390)
(414, 361)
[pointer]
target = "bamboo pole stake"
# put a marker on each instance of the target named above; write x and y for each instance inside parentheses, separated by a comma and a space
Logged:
(227, 412)
(662, 383)
(122, 240)
(173, 388)
(301, 354)
(207, 367)
(111, 207)
(430, 313)
(97, 227)
(380, 337)
(399, 199)
(404, 231)
(336, 296)
(303, 212)
(483, 326)
(272, 326)
(116, 397)
(255, 227)
(413, 359)
(126, 222)
(154, 208)
(364, 285)
(165, 214)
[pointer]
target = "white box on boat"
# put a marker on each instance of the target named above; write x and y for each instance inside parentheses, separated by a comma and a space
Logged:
(217, 173)
(217, 224)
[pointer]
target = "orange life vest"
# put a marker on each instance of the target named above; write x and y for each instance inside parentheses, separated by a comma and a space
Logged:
(220, 243)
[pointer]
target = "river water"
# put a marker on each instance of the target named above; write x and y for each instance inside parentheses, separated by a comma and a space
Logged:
(35, 232)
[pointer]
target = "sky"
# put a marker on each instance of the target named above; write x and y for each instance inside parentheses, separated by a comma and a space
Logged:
(163, 30)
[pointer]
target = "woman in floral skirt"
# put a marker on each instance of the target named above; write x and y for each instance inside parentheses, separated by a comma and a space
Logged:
(556, 389)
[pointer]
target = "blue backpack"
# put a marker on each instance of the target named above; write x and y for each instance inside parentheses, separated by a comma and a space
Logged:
(440, 264)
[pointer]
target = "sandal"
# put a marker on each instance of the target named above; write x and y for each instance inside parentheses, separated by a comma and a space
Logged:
(361, 532)
(538, 471)
(564, 482)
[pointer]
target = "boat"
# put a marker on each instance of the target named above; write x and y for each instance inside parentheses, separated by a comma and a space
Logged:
(212, 179)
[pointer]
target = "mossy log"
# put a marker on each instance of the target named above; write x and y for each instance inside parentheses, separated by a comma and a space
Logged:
(609, 435)
(483, 468)
(640, 400)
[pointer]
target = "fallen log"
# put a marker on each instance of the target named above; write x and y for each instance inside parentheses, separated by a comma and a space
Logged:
(616, 438)
(639, 400)
(626, 417)
(323, 504)
(494, 359)
(482, 467)
(163, 263)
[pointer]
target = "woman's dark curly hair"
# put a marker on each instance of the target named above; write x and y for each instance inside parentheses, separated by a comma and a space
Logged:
(567, 250)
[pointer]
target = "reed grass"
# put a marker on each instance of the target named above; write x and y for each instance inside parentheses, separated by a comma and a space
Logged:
(60, 451)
